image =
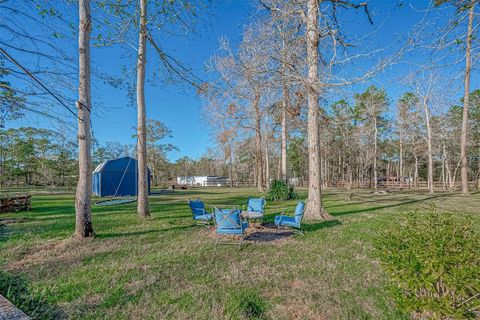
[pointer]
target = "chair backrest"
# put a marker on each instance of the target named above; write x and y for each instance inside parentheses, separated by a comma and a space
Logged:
(299, 211)
(227, 219)
(197, 207)
(256, 204)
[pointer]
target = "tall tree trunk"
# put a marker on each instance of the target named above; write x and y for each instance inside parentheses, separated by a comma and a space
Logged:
(478, 169)
(1, 166)
(258, 144)
(283, 157)
(400, 164)
(466, 98)
(279, 167)
(429, 144)
(142, 203)
(314, 208)
(232, 162)
(285, 106)
(83, 213)
(415, 177)
(375, 146)
(444, 165)
(267, 162)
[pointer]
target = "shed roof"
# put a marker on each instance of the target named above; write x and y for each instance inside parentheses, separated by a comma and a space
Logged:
(123, 164)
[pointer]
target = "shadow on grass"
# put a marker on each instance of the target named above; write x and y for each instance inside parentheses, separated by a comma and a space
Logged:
(365, 202)
(311, 227)
(141, 233)
(161, 217)
(178, 192)
(390, 205)
(15, 288)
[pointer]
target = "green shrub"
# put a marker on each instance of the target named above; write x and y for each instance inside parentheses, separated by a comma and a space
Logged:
(433, 261)
(279, 190)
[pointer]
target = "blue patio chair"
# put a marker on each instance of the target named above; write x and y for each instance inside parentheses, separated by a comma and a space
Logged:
(200, 215)
(229, 222)
(255, 209)
(295, 222)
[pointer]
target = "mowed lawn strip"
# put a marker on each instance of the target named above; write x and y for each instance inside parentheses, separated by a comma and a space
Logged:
(167, 267)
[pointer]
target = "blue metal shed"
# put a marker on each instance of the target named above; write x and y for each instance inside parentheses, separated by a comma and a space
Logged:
(117, 177)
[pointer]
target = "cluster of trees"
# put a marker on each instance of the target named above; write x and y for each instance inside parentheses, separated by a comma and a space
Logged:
(34, 156)
(46, 157)
(272, 98)
(369, 138)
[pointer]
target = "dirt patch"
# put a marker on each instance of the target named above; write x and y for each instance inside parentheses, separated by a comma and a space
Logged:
(69, 251)
(266, 233)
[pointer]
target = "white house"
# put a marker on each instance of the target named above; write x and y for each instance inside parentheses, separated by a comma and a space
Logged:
(202, 181)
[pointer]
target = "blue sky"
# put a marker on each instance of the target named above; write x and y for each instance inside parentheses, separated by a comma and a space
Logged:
(180, 108)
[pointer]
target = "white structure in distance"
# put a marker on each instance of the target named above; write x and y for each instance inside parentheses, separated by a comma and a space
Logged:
(203, 181)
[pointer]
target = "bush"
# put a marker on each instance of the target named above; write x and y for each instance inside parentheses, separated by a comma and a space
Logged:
(433, 261)
(279, 190)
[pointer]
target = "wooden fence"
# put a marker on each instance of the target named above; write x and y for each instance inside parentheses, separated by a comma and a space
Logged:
(397, 185)
(366, 184)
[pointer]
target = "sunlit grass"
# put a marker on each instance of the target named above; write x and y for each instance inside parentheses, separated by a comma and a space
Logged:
(166, 267)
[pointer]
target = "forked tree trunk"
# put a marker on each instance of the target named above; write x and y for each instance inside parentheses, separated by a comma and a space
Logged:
(314, 208)
(83, 214)
(466, 98)
(142, 203)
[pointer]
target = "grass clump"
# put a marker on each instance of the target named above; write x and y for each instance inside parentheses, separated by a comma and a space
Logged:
(246, 304)
(281, 191)
(433, 262)
(15, 288)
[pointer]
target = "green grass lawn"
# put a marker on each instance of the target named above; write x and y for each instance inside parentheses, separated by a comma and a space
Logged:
(168, 268)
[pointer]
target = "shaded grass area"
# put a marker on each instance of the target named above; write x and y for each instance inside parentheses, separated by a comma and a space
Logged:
(168, 268)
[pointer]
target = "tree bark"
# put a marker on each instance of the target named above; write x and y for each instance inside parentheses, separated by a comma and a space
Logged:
(142, 203)
(400, 164)
(267, 162)
(416, 172)
(444, 163)
(466, 98)
(375, 147)
(258, 144)
(83, 213)
(283, 156)
(284, 142)
(314, 208)
(429, 145)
